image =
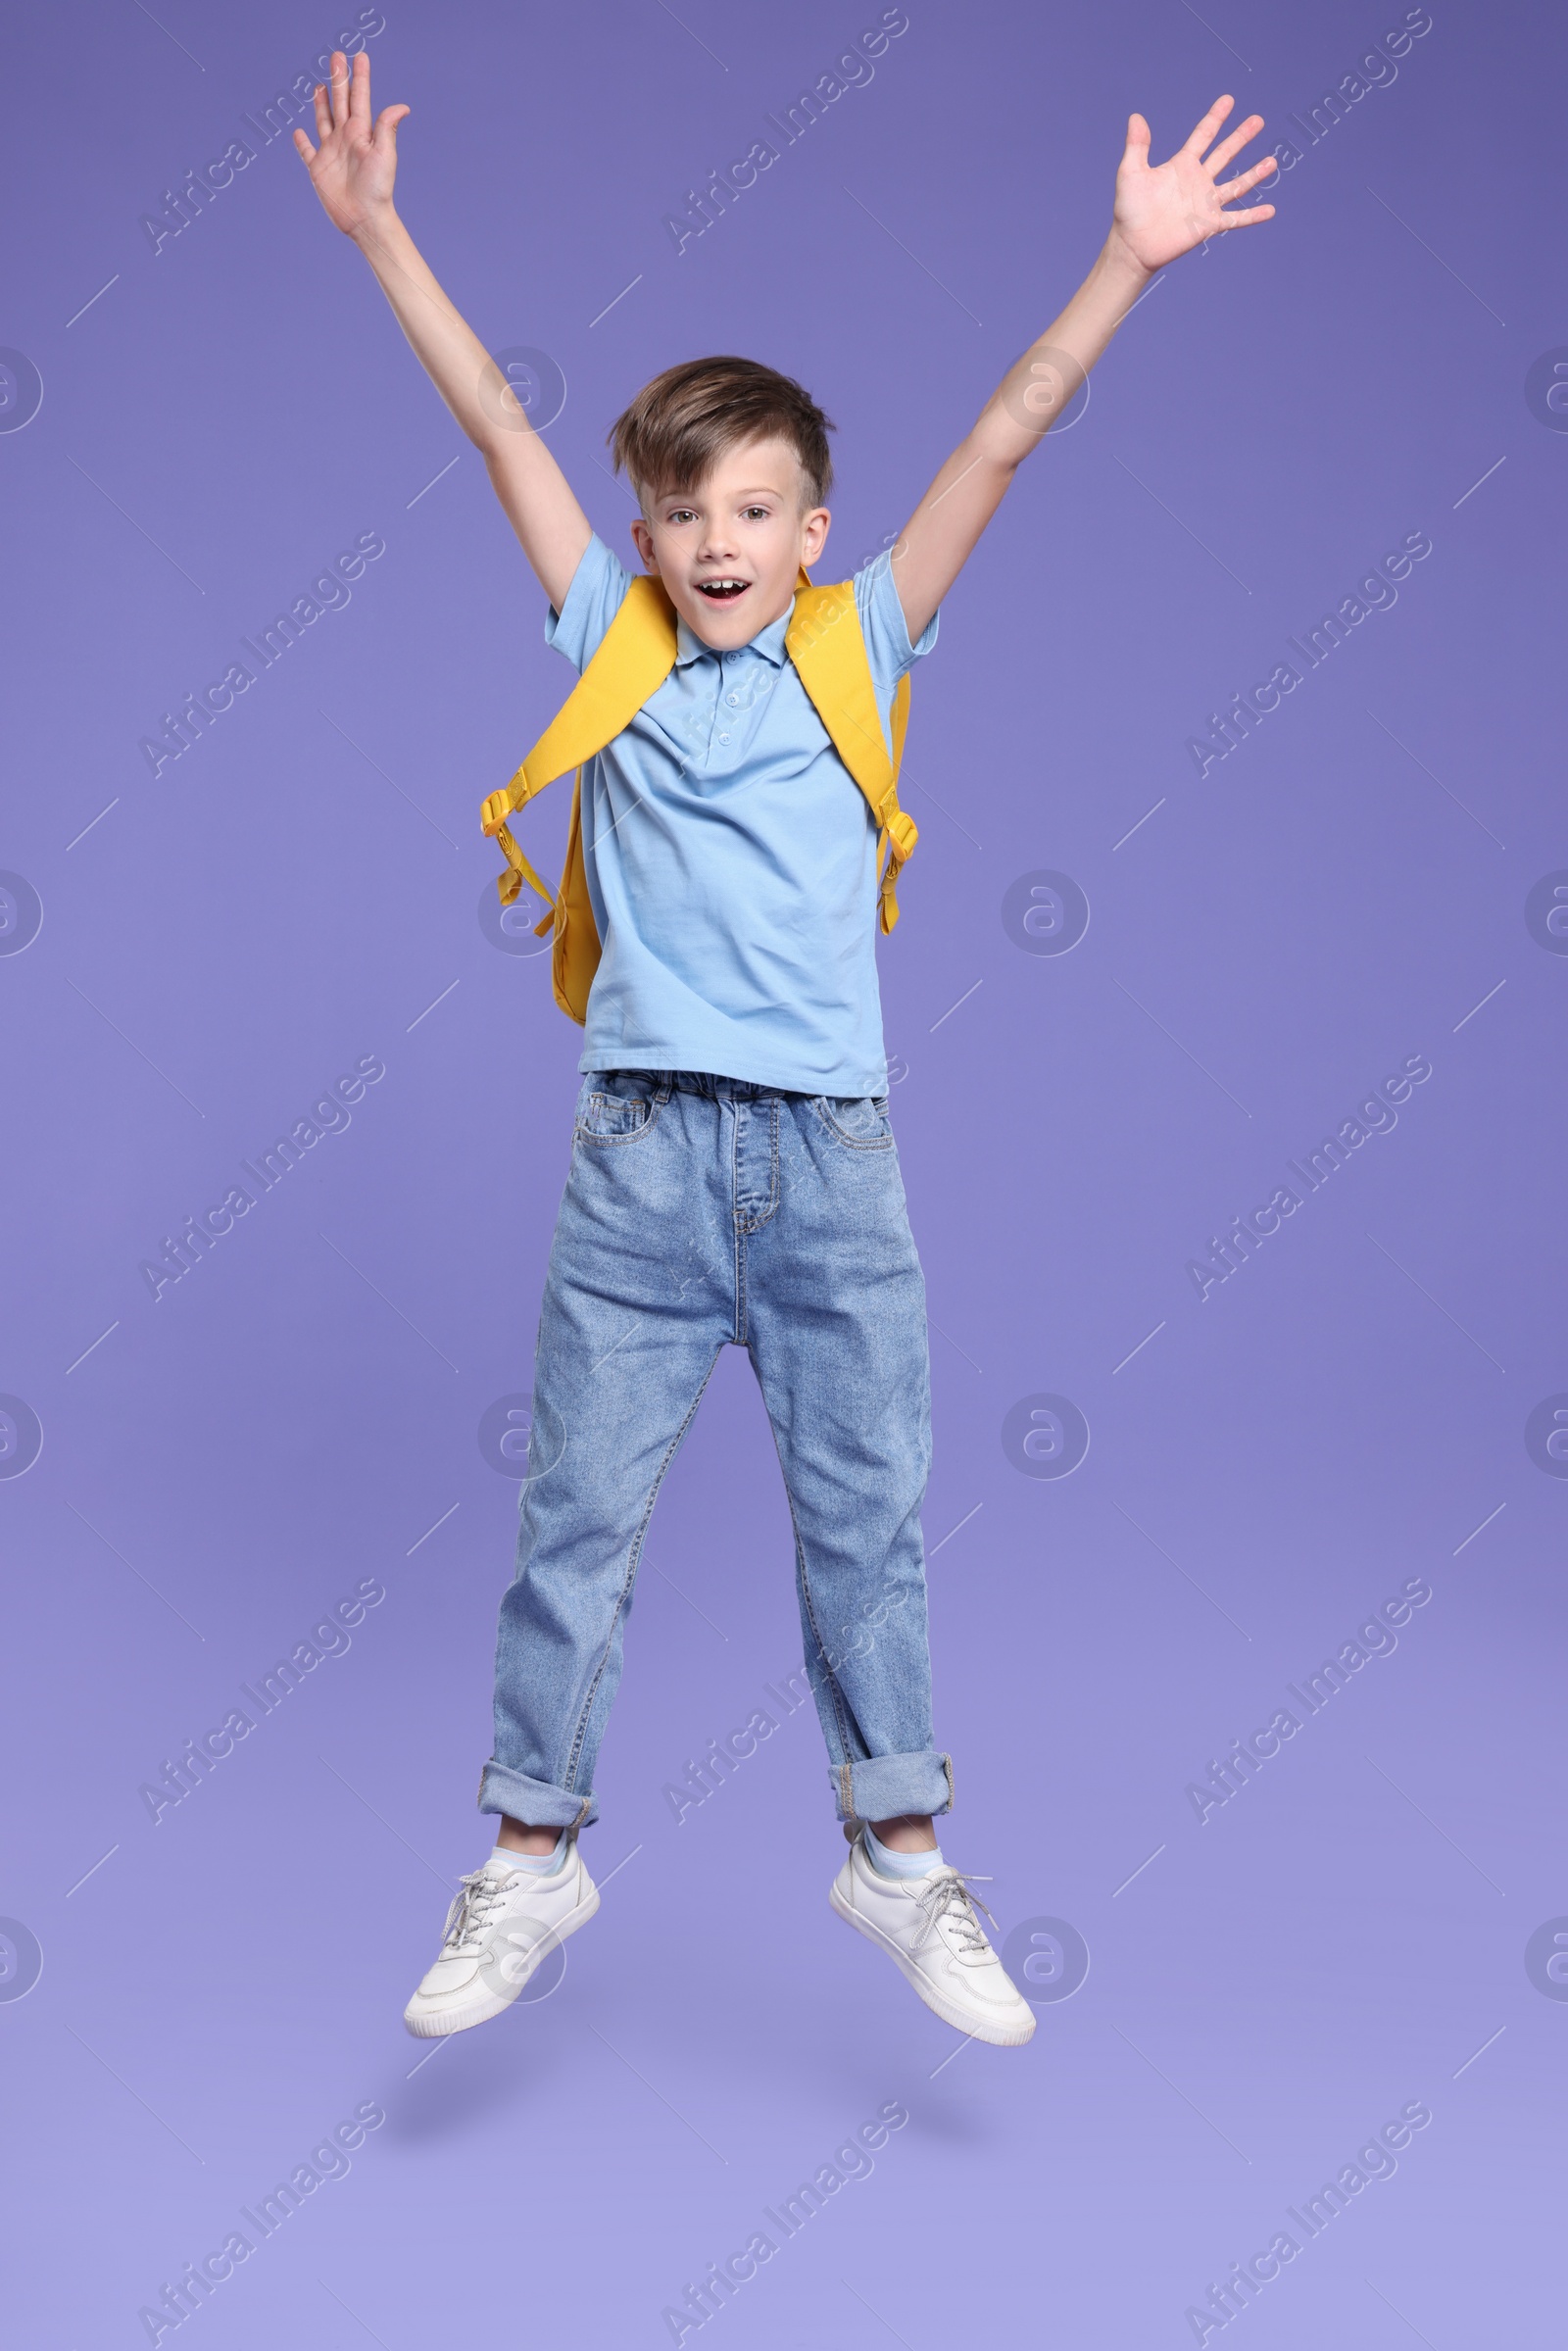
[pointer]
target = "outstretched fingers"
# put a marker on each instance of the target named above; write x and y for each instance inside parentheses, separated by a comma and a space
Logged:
(1209, 127)
(1233, 145)
(359, 90)
(344, 100)
(1139, 135)
(1233, 189)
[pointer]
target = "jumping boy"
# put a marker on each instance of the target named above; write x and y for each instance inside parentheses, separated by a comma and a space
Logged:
(733, 1175)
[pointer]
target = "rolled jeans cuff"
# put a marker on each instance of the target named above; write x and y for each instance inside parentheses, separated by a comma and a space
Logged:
(538, 1804)
(879, 1788)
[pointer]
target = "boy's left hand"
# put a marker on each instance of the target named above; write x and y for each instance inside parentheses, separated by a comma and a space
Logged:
(1161, 211)
(1164, 210)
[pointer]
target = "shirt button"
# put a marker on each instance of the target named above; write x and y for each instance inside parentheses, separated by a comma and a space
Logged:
(723, 738)
(732, 699)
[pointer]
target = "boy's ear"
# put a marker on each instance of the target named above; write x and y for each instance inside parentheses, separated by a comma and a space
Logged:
(813, 534)
(643, 540)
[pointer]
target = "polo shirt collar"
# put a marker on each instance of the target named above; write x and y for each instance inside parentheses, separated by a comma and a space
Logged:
(769, 642)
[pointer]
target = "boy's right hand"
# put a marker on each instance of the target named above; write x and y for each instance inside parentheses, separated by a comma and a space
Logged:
(352, 168)
(351, 171)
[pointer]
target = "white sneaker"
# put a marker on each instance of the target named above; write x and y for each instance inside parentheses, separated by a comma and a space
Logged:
(502, 1923)
(928, 1927)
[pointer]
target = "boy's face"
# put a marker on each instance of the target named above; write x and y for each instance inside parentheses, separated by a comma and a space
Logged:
(728, 550)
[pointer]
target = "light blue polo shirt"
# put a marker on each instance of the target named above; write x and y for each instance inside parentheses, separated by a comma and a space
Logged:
(731, 858)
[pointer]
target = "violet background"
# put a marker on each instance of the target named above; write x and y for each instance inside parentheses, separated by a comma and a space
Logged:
(297, 1414)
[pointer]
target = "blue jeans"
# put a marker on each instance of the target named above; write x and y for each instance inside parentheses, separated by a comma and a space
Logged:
(704, 1212)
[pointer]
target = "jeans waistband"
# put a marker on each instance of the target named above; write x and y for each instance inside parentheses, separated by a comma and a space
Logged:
(702, 1081)
(662, 1083)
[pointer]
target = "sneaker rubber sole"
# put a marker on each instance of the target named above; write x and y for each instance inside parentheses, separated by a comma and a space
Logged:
(1001, 2037)
(436, 2024)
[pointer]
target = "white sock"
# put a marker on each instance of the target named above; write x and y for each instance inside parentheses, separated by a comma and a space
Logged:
(889, 1864)
(537, 1865)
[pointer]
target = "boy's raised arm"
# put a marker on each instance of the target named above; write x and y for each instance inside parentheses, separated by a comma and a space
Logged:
(1160, 212)
(351, 171)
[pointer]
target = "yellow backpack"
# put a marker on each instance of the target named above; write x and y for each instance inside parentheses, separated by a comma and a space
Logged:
(824, 642)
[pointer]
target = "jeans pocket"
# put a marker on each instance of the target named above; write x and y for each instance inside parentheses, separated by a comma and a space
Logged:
(617, 1105)
(859, 1120)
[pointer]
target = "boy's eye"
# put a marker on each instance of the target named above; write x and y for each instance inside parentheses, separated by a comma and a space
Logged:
(755, 514)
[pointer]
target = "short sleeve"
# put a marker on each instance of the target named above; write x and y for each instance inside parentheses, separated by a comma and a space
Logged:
(596, 594)
(883, 626)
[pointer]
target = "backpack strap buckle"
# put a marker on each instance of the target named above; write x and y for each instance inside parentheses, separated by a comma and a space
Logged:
(902, 833)
(494, 809)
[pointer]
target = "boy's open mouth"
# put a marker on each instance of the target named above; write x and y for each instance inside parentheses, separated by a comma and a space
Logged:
(722, 590)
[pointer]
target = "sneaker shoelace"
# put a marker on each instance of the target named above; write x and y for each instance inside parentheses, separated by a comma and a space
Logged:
(949, 1907)
(468, 1919)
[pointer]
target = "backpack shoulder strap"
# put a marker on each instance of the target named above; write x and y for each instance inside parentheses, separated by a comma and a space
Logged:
(825, 642)
(636, 656)
(633, 660)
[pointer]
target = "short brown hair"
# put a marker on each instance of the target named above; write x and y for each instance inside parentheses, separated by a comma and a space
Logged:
(677, 424)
